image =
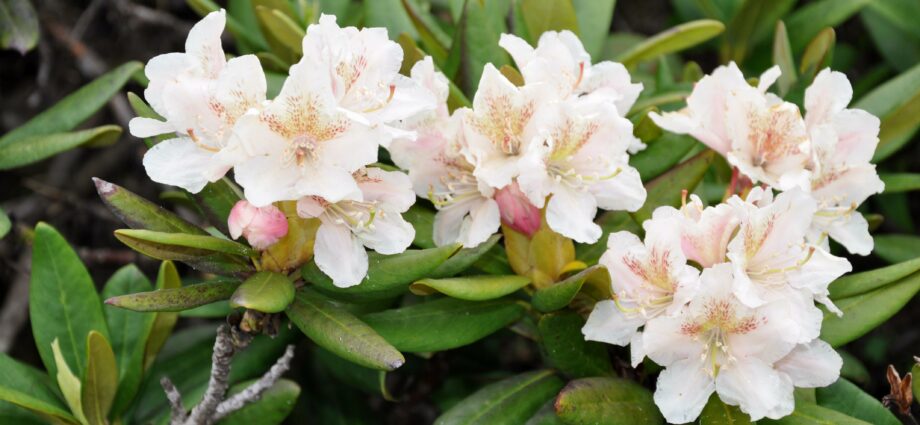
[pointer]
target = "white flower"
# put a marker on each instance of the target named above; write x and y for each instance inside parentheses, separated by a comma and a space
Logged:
(843, 143)
(772, 260)
(201, 95)
(560, 60)
(363, 66)
(301, 144)
(648, 280)
(704, 232)
(811, 365)
(500, 129)
(583, 164)
(764, 137)
(348, 226)
(718, 344)
(440, 169)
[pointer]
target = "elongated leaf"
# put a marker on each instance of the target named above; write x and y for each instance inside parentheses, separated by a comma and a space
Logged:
(594, 17)
(676, 39)
(896, 248)
(264, 291)
(368, 380)
(567, 349)
(463, 259)
(5, 224)
(471, 288)
(76, 107)
(139, 213)
(560, 294)
(548, 15)
(812, 414)
(896, 37)
(390, 15)
(512, 400)
(63, 303)
(807, 21)
(68, 383)
(901, 182)
(435, 41)
(188, 249)
(546, 415)
(754, 17)
(167, 278)
(894, 102)
(848, 399)
(661, 154)
(13, 414)
(129, 332)
(782, 56)
(608, 401)
(422, 219)
(443, 324)
(203, 7)
(18, 25)
(817, 55)
(29, 150)
(176, 299)
(281, 29)
(717, 413)
(853, 369)
(275, 404)
(217, 199)
(387, 275)
(862, 313)
(860, 283)
(475, 42)
(101, 380)
(30, 388)
(666, 188)
(337, 330)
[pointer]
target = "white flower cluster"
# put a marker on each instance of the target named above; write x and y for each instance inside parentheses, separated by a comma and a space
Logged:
(724, 296)
(562, 135)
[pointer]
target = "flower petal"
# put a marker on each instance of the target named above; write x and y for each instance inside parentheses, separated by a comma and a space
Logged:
(607, 323)
(682, 390)
(811, 365)
(756, 388)
(178, 162)
(340, 255)
(571, 213)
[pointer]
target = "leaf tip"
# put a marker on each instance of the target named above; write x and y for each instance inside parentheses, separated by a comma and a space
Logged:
(103, 187)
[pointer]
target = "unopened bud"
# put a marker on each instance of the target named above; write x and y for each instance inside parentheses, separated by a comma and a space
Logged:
(516, 210)
(262, 227)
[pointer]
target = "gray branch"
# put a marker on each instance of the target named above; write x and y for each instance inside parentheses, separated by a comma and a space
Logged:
(213, 405)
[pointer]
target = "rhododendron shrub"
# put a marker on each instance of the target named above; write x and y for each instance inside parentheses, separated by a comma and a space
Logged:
(676, 250)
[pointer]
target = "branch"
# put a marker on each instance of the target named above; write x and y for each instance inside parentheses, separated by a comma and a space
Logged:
(219, 382)
(254, 392)
(177, 415)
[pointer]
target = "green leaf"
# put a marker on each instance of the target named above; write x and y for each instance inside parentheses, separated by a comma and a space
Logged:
(548, 15)
(661, 154)
(546, 415)
(63, 304)
(178, 298)
(340, 332)
(812, 414)
(567, 349)
(475, 42)
(845, 397)
(471, 288)
(68, 383)
(511, 400)
(76, 107)
(674, 40)
(782, 56)
(862, 313)
(463, 259)
(367, 380)
(432, 38)
(666, 189)
(28, 387)
(167, 278)
(853, 369)
(594, 17)
(900, 182)
(101, 380)
(805, 23)
(217, 199)
(610, 222)
(896, 248)
(915, 372)
(13, 414)
(5, 224)
(18, 25)
(281, 31)
(139, 213)
(387, 275)
(817, 55)
(894, 102)
(203, 7)
(129, 332)
(390, 15)
(860, 283)
(443, 324)
(31, 149)
(753, 18)
(183, 240)
(422, 219)
(560, 294)
(275, 404)
(205, 253)
(718, 413)
(896, 37)
(268, 292)
(606, 400)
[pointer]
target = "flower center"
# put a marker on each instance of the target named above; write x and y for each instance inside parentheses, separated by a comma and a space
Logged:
(304, 148)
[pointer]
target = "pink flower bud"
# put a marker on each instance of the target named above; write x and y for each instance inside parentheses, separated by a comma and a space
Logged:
(262, 227)
(517, 211)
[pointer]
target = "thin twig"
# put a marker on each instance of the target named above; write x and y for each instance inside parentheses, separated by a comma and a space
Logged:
(219, 381)
(178, 413)
(254, 392)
